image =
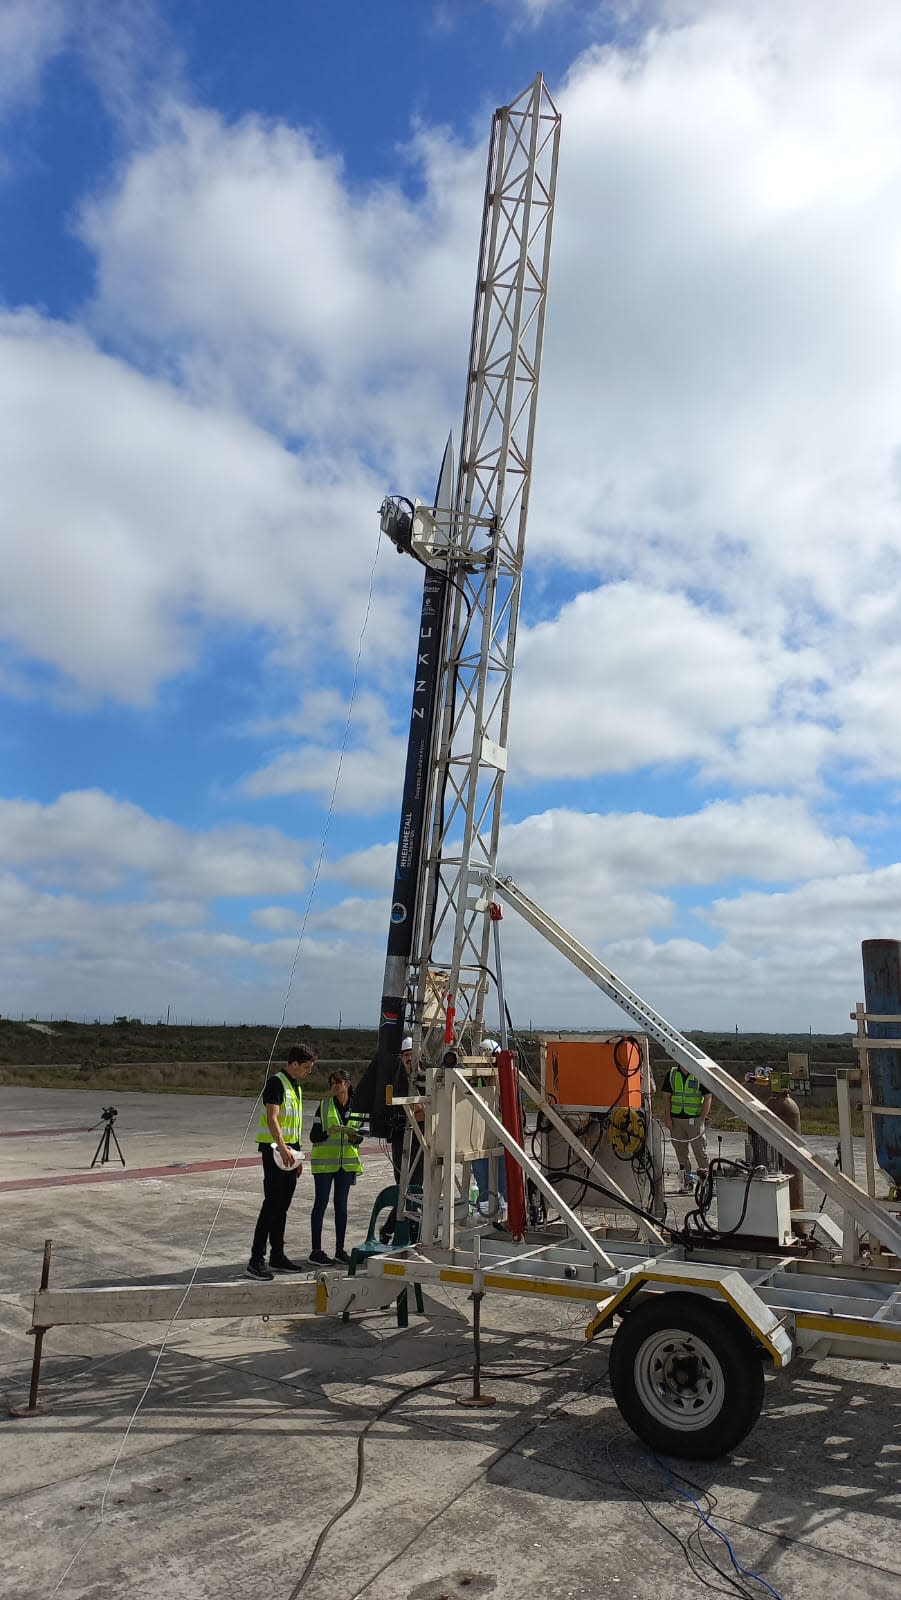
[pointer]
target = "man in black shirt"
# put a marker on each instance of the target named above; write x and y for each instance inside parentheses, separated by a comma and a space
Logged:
(279, 1133)
(686, 1107)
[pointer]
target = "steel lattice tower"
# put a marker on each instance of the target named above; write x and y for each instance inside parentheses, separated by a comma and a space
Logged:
(485, 556)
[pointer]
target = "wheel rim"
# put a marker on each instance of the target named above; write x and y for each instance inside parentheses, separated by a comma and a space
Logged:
(679, 1380)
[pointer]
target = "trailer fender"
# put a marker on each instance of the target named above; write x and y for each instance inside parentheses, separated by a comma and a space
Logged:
(716, 1283)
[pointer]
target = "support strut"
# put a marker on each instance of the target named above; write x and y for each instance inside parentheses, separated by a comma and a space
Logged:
(873, 1218)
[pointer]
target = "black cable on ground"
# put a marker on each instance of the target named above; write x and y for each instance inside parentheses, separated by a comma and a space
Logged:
(718, 1588)
(404, 1394)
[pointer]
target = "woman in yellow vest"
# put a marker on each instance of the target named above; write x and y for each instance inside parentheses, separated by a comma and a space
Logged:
(335, 1139)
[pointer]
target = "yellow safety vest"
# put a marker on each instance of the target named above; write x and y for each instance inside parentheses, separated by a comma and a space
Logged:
(290, 1114)
(337, 1153)
(687, 1096)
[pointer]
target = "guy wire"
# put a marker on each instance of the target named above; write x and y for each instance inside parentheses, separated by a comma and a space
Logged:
(280, 1029)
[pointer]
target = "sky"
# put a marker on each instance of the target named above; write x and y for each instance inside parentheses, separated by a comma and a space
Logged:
(237, 254)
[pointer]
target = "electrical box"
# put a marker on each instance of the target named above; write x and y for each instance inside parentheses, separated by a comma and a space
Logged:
(594, 1071)
(799, 1072)
(767, 1214)
(594, 1079)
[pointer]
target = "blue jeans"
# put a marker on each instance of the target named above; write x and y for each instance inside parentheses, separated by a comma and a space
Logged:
(480, 1171)
(322, 1182)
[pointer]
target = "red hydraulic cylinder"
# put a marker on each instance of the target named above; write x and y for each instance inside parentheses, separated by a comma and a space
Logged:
(511, 1117)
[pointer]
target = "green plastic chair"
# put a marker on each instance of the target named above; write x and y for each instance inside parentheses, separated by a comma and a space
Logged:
(386, 1201)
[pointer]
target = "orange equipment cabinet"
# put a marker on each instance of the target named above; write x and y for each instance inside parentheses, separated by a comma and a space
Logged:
(593, 1071)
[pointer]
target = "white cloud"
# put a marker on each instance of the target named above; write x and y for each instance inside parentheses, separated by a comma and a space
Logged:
(41, 918)
(717, 440)
(627, 677)
(321, 711)
(716, 418)
(602, 876)
(355, 916)
(135, 519)
(369, 779)
(692, 984)
(717, 379)
(369, 773)
(825, 913)
(869, 712)
(122, 46)
(128, 52)
(372, 868)
(94, 841)
(31, 33)
(275, 919)
(784, 755)
(606, 877)
(530, 13)
(65, 955)
(240, 252)
(770, 838)
(782, 960)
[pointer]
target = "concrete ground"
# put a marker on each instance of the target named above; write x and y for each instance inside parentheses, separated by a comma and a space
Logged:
(218, 1480)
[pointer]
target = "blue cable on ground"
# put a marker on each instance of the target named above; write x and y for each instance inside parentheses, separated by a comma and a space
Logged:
(685, 1495)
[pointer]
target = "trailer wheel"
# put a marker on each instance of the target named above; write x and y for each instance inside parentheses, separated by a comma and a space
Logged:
(686, 1375)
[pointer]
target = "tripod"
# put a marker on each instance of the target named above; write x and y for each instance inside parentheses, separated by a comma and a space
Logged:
(102, 1153)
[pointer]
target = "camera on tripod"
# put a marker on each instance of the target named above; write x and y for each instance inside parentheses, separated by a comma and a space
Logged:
(102, 1154)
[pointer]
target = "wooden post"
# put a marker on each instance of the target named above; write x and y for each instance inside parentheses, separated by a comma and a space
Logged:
(850, 1236)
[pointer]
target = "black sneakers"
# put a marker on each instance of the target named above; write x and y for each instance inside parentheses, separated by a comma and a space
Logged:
(259, 1269)
(320, 1259)
(342, 1258)
(285, 1264)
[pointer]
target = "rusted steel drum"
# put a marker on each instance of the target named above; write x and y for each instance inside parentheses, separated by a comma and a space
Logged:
(882, 994)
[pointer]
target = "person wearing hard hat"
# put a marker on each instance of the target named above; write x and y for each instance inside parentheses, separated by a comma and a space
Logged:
(489, 1206)
(278, 1140)
(335, 1139)
(404, 1085)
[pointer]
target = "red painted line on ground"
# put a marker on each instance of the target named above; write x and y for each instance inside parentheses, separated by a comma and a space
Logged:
(113, 1174)
(42, 1133)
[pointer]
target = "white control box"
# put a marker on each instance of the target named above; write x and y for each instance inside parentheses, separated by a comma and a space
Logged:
(768, 1211)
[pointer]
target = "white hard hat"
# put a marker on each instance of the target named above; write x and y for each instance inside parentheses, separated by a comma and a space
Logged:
(406, 1044)
(491, 1047)
(280, 1161)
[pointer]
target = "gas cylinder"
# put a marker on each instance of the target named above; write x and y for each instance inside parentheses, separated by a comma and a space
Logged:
(783, 1106)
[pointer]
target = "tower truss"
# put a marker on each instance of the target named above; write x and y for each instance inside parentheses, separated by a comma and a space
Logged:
(484, 562)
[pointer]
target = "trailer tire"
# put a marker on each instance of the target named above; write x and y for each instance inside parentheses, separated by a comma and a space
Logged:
(686, 1375)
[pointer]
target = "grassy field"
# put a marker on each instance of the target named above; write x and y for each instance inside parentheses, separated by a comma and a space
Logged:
(114, 1057)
